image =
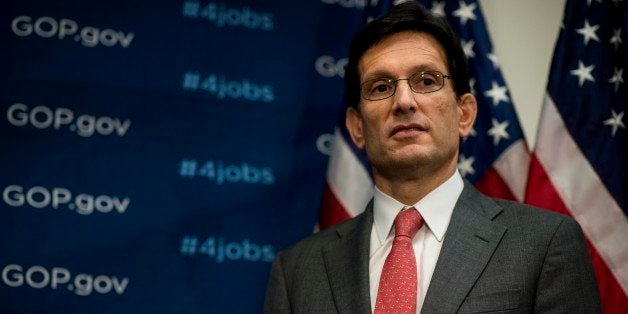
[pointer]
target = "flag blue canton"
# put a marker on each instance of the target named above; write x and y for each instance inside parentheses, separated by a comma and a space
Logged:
(587, 86)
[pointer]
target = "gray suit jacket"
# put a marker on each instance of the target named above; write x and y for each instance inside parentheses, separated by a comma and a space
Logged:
(497, 256)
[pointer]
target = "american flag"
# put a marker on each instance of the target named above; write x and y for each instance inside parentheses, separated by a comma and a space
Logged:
(579, 163)
(494, 158)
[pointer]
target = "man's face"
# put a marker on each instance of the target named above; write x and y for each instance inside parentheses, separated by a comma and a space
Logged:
(409, 129)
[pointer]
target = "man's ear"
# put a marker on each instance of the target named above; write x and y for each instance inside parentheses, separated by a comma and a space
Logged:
(353, 122)
(468, 109)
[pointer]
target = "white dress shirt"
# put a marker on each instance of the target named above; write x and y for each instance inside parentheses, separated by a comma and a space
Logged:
(436, 209)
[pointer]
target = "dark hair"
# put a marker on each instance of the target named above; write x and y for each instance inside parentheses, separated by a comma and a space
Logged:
(407, 16)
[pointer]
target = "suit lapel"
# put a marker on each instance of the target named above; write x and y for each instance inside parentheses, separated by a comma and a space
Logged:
(471, 239)
(347, 264)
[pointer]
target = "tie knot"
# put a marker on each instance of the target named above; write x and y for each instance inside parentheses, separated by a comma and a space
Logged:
(408, 222)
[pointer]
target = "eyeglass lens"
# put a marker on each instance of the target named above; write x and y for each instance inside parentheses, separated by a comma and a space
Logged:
(420, 82)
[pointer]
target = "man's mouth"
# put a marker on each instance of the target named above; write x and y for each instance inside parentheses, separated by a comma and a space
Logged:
(407, 130)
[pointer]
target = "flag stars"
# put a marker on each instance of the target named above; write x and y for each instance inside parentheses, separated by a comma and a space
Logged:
(438, 8)
(588, 32)
(467, 47)
(498, 131)
(617, 78)
(583, 73)
(615, 122)
(497, 93)
(465, 12)
(472, 85)
(616, 39)
(493, 59)
(465, 165)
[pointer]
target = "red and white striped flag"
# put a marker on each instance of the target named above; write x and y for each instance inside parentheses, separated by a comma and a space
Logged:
(579, 165)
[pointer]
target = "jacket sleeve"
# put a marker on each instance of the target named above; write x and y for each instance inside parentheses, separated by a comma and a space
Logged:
(567, 283)
(276, 293)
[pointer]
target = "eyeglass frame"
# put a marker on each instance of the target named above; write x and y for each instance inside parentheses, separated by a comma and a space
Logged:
(394, 82)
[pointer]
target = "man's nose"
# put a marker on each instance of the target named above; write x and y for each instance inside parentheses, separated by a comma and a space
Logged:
(404, 98)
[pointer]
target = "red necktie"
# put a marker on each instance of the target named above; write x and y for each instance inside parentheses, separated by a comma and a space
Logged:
(398, 283)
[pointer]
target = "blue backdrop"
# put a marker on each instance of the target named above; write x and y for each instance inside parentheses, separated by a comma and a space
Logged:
(155, 155)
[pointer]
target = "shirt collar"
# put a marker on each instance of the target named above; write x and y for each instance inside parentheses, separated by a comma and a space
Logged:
(436, 208)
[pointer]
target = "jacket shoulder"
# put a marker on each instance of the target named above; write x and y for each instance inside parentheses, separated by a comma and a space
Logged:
(532, 222)
(313, 244)
(527, 213)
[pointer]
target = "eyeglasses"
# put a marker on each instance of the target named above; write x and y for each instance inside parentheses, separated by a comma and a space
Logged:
(421, 82)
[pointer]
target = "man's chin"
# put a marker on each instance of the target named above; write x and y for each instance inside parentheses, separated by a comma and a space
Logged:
(407, 156)
(409, 160)
(411, 154)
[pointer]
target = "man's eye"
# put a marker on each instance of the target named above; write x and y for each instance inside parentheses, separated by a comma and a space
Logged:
(380, 88)
(426, 81)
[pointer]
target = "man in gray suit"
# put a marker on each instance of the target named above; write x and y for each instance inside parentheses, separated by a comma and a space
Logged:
(410, 105)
